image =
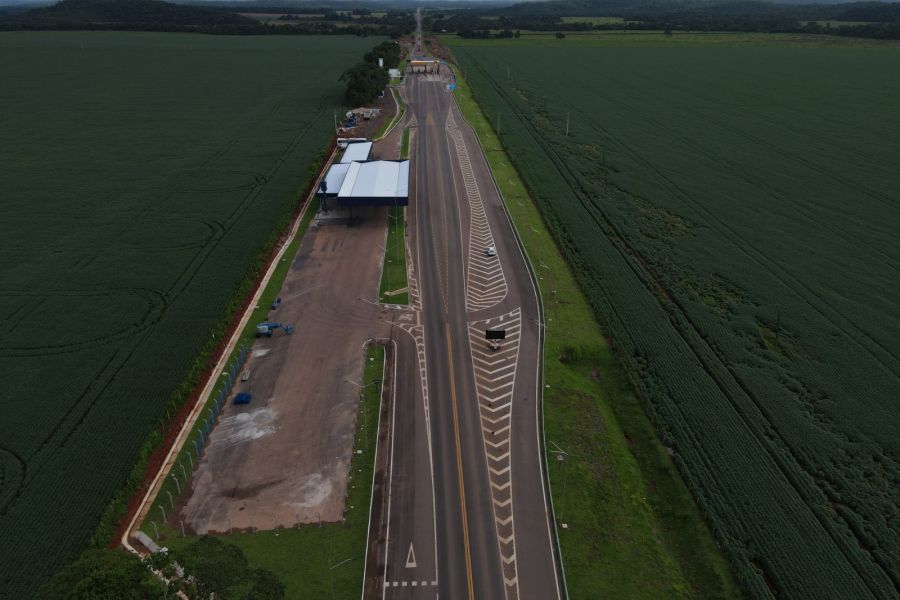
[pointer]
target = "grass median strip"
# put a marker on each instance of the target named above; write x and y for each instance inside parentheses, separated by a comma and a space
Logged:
(404, 144)
(394, 288)
(631, 528)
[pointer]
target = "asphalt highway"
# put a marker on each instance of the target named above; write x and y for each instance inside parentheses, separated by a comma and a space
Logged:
(467, 513)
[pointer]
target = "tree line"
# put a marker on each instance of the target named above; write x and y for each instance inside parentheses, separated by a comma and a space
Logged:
(156, 15)
(870, 19)
(206, 568)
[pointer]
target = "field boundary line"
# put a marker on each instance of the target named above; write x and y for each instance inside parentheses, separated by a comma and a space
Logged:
(190, 421)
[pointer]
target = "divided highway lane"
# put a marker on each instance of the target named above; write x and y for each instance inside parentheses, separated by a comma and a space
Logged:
(480, 408)
(508, 383)
(467, 559)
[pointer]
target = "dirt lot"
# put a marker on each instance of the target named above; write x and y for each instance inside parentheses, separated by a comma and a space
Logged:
(284, 457)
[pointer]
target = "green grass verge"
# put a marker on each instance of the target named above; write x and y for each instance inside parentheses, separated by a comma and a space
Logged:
(633, 528)
(326, 561)
(404, 144)
(393, 276)
(387, 125)
(248, 334)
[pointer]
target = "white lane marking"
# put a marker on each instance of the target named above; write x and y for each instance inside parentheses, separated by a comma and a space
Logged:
(501, 487)
(495, 445)
(499, 472)
(495, 376)
(495, 389)
(485, 282)
(497, 420)
(411, 558)
(504, 522)
(497, 408)
(411, 583)
(496, 432)
(494, 372)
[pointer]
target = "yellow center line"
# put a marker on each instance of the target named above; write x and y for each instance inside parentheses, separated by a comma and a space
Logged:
(459, 469)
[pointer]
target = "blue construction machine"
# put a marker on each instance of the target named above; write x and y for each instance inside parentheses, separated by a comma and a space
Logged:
(268, 328)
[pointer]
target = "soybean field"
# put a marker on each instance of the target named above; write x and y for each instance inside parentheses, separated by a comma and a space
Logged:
(732, 213)
(143, 177)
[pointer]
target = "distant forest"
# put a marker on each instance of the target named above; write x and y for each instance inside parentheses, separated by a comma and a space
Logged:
(156, 15)
(861, 19)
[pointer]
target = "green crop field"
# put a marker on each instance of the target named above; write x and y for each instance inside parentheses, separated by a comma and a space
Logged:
(142, 178)
(732, 215)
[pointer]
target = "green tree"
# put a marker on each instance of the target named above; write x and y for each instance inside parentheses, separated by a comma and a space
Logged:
(103, 574)
(388, 51)
(215, 566)
(364, 82)
(220, 569)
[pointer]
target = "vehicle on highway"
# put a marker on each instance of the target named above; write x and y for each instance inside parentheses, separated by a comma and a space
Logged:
(490, 251)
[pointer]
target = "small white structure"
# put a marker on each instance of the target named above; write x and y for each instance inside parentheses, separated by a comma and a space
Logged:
(394, 73)
(358, 151)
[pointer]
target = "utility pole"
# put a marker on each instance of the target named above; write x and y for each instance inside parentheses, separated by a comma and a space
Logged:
(567, 124)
